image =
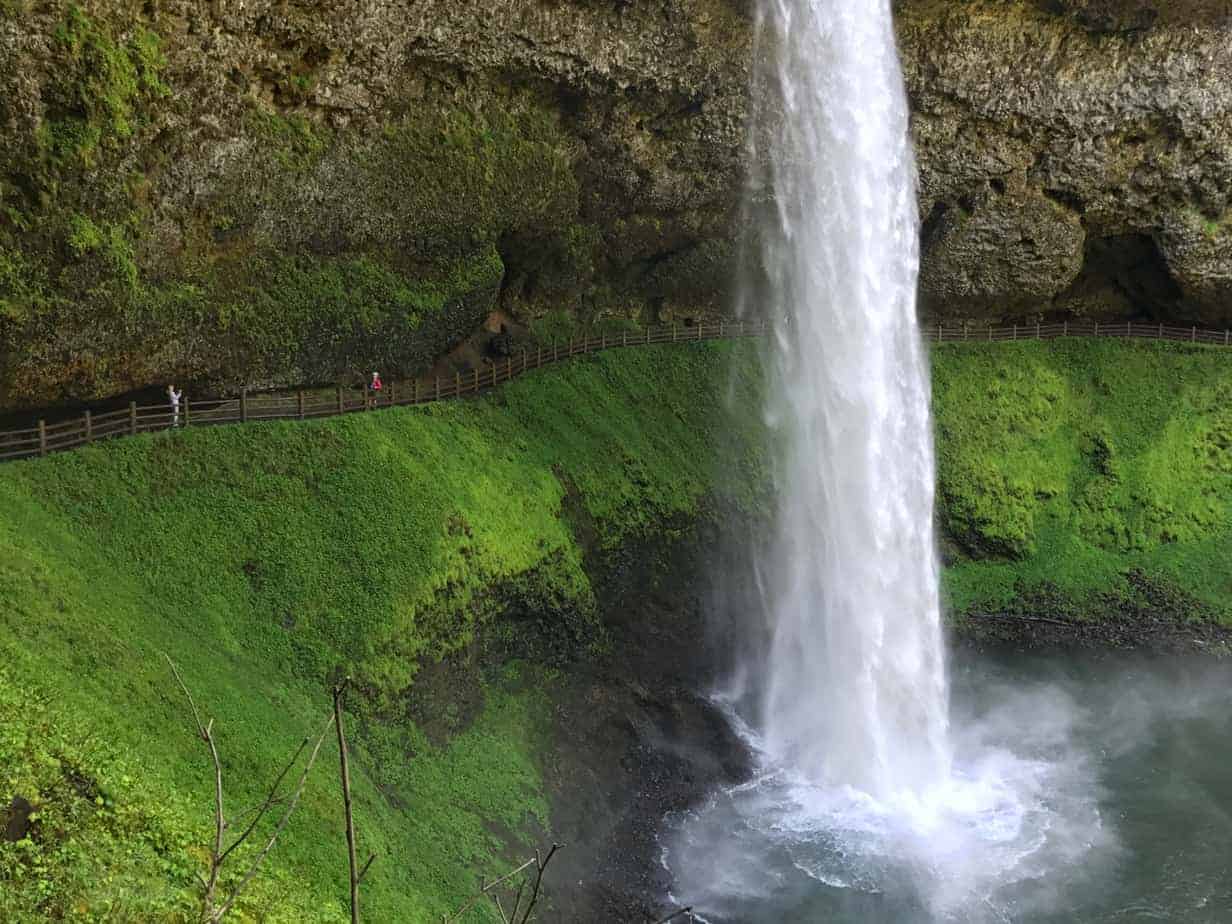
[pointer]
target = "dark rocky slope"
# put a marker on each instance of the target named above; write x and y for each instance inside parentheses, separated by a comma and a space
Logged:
(287, 192)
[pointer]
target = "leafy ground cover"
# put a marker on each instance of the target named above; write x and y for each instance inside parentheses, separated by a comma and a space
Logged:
(267, 560)
(1079, 464)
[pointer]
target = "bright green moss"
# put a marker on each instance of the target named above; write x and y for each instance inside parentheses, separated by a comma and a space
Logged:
(100, 88)
(266, 559)
(1073, 462)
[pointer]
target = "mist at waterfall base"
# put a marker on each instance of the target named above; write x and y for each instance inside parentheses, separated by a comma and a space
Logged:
(876, 797)
(1087, 788)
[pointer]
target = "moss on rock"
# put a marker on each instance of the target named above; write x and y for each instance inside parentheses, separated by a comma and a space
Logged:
(1077, 463)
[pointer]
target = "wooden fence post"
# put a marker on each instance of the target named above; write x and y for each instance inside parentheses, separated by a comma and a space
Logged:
(457, 382)
(964, 328)
(1225, 337)
(673, 331)
(89, 425)
(938, 331)
(523, 359)
(647, 335)
(493, 373)
(1160, 335)
(1129, 328)
(1037, 329)
(132, 417)
(438, 388)
(1065, 330)
(341, 406)
(700, 325)
(989, 331)
(624, 338)
(1194, 334)
(42, 428)
(1096, 334)
(415, 391)
(603, 341)
(299, 404)
(508, 367)
(244, 405)
(393, 394)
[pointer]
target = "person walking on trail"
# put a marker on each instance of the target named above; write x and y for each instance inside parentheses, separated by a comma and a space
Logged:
(375, 386)
(174, 395)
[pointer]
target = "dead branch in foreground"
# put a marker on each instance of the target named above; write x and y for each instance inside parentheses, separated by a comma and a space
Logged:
(211, 911)
(357, 875)
(519, 914)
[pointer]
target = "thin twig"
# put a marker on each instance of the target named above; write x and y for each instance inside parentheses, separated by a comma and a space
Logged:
(356, 875)
(206, 733)
(282, 822)
(269, 802)
(517, 900)
(240, 816)
(540, 868)
(484, 889)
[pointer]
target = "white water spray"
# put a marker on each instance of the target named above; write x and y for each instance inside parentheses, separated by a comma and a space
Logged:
(859, 809)
(856, 690)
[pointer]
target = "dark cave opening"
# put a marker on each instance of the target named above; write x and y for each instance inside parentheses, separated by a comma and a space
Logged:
(1123, 276)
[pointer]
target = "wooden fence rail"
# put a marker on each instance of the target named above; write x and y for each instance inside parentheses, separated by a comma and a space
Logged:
(304, 405)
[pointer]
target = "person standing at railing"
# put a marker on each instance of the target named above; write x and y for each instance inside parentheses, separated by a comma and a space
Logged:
(174, 395)
(375, 387)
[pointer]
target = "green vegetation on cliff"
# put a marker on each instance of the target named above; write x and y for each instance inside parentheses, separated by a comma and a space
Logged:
(266, 560)
(1082, 469)
(302, 253)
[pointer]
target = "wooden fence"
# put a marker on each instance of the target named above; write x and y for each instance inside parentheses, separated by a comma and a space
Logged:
(303, 405)
(956, 332)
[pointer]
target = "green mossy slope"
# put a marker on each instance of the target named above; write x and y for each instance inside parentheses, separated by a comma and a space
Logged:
(265, 560)
(1069, 467)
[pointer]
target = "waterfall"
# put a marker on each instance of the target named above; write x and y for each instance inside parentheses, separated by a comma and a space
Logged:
(860, 806)
(854, 692)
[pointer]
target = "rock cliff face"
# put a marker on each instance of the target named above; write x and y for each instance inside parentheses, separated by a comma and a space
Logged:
(1075, 156)
(280, 191)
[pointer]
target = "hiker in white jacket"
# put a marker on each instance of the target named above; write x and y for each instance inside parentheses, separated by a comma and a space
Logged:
(174, 397)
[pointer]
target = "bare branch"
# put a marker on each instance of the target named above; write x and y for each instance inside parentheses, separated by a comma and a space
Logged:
(183, 686)
(270, 802)
(345, 772)
(206, 732)
(364, 872)
(484, 889)
(517, 900)
(540, 868)
(240, 816)
(282, 822)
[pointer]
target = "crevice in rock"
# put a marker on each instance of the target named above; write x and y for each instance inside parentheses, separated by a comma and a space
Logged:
(932, 224)
(1066, 198)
